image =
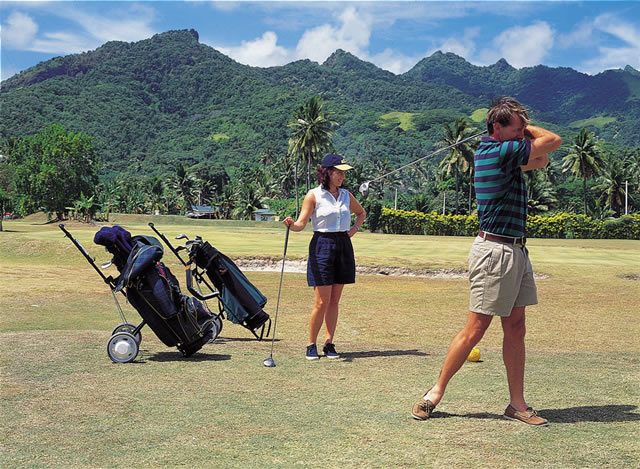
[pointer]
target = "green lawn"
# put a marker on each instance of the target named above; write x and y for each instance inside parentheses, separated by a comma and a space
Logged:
(64, 404)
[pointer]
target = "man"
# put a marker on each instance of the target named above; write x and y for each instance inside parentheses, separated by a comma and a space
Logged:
(500, 273)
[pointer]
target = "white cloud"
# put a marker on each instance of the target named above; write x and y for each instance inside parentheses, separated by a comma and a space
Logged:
(618, 57)
(616, 41)
(7, 71)
(393, 61)
(261, 52)
(59, 43)
(352, 36)
(19, 31)
(129, 23)
(126, 24)
(582, 35)
(521, 46)
(463, 46)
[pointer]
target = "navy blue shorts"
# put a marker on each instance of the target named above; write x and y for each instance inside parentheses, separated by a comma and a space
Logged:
(331, 259)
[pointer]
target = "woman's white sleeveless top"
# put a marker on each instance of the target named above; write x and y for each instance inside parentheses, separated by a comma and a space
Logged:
(331, 215)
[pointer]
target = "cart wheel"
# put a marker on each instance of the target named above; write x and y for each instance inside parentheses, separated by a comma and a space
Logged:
(122, 347)
(128, 327)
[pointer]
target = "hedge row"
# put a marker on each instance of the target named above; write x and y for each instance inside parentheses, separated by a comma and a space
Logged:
(561, 225)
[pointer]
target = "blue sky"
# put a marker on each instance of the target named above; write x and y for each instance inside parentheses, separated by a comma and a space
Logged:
(589, 36)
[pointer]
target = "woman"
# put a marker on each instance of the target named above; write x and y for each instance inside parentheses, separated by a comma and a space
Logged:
(331, 262)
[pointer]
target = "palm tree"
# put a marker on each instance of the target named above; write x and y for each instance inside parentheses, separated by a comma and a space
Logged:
(108, 197)
(156, 193)
(460, 158)
(227, 200)
(183, 184)
(311, 135)
(248, 200)
(267, 155)
(584, 160)
(540, 192)
(612, 179)
(384, 166)
(286, 174)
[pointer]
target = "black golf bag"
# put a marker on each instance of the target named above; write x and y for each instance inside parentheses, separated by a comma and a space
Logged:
(154, 291)
(150, 287)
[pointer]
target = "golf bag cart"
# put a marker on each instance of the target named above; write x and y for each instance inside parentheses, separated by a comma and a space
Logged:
(149, 286)
(237, 297)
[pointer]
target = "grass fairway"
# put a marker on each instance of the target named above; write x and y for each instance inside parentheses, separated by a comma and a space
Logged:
(64, 404)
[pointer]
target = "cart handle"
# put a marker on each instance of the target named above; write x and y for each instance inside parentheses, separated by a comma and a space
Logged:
(108, 280)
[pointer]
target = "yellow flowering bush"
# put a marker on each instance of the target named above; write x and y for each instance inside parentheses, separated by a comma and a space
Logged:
(560, 225)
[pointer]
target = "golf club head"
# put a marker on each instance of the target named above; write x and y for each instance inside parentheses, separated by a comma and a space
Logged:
(182, 236)
(106, 265)
(269, 363)
(364, 189)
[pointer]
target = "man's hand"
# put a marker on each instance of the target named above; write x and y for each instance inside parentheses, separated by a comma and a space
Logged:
(543, 142)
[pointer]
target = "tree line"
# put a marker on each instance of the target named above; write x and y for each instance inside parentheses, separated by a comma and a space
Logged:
(60, 172)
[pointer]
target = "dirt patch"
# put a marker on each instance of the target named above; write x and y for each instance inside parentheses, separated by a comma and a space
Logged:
(630, 276)
(272, 264)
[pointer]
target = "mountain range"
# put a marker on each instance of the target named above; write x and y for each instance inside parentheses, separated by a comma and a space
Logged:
(168, 99)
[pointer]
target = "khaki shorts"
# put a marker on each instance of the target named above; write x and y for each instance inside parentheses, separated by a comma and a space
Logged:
(501, 278)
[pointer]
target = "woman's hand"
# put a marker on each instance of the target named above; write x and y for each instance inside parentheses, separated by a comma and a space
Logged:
(352, 231)
(288, 221)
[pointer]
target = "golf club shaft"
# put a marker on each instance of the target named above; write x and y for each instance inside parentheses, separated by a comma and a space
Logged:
(428, 156)
(275, 322)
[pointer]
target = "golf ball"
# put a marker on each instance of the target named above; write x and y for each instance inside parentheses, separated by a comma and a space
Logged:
(474, 355)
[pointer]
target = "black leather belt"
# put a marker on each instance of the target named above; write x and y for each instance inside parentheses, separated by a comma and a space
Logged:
(502, 239)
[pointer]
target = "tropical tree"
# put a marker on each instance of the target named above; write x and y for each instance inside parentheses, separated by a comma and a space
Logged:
(285, 177)
(612, 184)
(6, 186)
(156, 194)
(184, 185)
(84, 207)
(107, 196)
(540, 192)
(132, 197)
(53, 168)
(459, 159)
(248, 200)
(584, 160)
(381, 166)
(311, 135)
(267, 155)
(227, 201)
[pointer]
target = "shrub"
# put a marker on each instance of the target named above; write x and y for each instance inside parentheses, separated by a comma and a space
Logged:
(560, 225)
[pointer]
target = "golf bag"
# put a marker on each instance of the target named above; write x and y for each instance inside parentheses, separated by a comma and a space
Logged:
(150, 287)
(239, 298)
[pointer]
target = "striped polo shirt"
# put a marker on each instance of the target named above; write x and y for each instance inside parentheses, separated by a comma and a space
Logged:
(500, 186)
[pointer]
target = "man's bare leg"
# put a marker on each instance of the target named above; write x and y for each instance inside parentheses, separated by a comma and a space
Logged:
(513, 353)
(458, 352)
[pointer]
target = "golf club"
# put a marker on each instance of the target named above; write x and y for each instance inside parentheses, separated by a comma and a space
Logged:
(364, 187)
(268, 362)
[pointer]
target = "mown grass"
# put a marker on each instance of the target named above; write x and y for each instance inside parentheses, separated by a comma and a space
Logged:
(597, 121)
(64, 404)
(404, 120)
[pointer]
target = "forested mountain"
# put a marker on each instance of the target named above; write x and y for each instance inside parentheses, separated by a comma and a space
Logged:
(169, 99)
(561, 95)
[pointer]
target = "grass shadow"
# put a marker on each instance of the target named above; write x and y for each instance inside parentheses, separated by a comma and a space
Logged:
(222, 340)
(477, 415)
(349, 356)
(604, 413)
(197, 357)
